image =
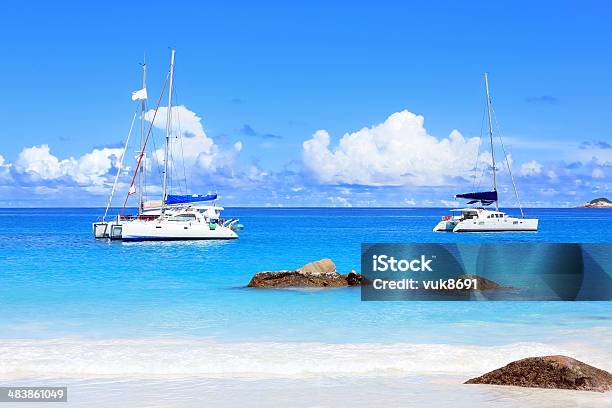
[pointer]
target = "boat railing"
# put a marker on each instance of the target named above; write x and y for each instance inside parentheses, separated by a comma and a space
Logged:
(142, 217)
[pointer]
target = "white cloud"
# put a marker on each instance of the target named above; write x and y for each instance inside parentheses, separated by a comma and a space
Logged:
(39, 162)
(598, 173)
(449, 203)
(194, 146)
(4, 169)
(531, 168)
(398, 151)
(91, 169)
(601, 157)
(340, 202)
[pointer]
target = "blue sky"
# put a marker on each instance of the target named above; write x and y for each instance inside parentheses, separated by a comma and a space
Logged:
(264, 78)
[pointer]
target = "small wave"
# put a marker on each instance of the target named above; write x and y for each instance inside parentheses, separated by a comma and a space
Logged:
(184, 358)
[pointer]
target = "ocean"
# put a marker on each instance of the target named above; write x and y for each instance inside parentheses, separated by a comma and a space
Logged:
(146, 323)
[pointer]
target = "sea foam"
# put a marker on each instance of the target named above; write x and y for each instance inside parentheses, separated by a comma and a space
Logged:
(199, 358)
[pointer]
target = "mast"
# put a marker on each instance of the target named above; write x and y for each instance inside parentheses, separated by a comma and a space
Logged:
(168, 132)
(143, 107)
(486, 78)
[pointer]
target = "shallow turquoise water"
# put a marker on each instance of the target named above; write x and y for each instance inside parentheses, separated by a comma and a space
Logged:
(57, 281)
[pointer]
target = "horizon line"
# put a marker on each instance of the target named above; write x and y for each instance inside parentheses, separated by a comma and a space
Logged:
(291, 207)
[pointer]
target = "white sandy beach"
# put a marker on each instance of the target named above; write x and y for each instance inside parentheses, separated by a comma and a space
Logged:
(442, 391)
(182, 372)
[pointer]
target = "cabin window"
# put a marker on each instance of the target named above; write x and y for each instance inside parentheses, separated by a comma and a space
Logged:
(183, 217)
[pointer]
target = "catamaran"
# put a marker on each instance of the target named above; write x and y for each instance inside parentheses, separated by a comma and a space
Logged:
(112, 228)
(480, 219)
(174, 217)
(179, 217)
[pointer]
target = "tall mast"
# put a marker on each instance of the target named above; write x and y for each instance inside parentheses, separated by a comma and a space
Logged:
(168, 132)
(486, 77)
(143, 107)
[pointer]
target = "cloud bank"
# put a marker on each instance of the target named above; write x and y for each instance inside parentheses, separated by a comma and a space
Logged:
(393, 163)
(397, 152)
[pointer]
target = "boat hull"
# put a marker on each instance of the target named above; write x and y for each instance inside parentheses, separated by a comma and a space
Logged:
(107, 230)
(497, 225)
(444, 225)
(174, 231)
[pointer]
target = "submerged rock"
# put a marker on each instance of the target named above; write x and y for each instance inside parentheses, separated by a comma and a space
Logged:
(318, 274)
(559, 372)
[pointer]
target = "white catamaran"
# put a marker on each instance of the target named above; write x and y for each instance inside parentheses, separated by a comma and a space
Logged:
(174, 217)
(479, 219)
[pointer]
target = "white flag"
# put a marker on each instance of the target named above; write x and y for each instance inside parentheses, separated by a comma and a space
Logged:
(132, 190)
(139, 94)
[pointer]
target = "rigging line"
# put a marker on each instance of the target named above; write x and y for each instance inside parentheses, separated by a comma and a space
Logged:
(144, 145)
(144, 172)
(159, 170)
(499, 135)
(171, 170)
(475, 185)
(478, 152)
(178, 119)
(143, 169)
(119, 168)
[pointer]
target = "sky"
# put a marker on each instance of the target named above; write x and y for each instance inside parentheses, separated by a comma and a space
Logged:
(309, 103)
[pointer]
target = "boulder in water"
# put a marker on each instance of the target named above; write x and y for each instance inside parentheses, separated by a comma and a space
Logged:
(318, 274)
(559, 372)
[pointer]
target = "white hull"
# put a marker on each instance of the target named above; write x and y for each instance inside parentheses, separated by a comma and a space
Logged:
(105, 229)
(481, 220)
(445, 226)
(162, 230)
(497, 225)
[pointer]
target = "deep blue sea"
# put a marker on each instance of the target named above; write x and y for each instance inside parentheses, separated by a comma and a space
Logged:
(57, 281)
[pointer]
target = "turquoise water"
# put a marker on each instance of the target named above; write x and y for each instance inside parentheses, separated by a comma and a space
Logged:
(56, 281)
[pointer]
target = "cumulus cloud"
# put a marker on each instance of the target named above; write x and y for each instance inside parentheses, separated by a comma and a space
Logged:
(194, 146)
(398, 151)
(4, 169)
(339, 202)
(38, 171)
(530, 168)
(598, 152)
(37, 163)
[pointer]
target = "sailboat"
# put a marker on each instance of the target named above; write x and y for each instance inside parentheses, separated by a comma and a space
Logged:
(112, 228)
(195, 216)
(480, 219)
(179, 217)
